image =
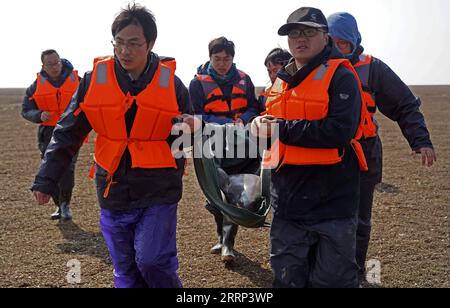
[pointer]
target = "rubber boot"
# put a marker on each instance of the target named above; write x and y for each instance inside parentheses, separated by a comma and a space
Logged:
(66, 213)
(216, 249)
(229, 234)
(56, 214)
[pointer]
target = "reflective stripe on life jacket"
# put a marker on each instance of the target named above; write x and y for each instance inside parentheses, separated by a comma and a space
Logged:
(363, 68)
(54, 100)
(105, 106)
(221, 105)
(309, 101)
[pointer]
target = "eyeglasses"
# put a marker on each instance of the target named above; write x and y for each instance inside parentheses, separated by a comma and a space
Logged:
(52, 65)
(341, 44)
(131, 46)
(307, 32)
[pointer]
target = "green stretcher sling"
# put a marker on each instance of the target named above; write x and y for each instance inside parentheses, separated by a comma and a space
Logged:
(207, 176)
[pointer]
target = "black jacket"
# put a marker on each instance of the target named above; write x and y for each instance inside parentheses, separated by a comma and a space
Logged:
(133, 188)
(314, 193)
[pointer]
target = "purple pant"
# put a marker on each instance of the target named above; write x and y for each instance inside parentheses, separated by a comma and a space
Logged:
(142, 244)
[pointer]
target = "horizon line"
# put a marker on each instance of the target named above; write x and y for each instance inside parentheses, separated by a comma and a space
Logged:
(412, 85)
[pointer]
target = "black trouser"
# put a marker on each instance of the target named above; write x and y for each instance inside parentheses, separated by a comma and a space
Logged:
(226, 230)
(317, 255)
(67, 182)
(373, 151)
(364, 225)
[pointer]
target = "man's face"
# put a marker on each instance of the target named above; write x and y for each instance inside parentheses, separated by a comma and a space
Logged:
(272, 70)
(344, 47)
(132, 50)
(305, 43)
(52, 66)
(221, 62)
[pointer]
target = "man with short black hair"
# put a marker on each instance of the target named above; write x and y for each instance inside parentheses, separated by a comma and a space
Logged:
(130, 101)
(222, 94)
(44, 103)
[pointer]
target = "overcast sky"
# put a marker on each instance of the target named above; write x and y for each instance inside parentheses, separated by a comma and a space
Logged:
(410, 36)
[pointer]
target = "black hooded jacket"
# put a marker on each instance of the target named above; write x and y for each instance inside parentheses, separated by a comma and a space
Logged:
(132, 188)
(315, 193)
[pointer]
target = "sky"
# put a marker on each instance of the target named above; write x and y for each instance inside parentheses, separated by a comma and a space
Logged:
(412, 37)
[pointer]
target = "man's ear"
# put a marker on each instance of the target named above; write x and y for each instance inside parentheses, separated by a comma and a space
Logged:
(151, 44)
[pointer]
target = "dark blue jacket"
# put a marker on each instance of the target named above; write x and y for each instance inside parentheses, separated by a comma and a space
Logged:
(133, 188)
(198, 98)
(314, 193)
(397, 102)
(392, 97)
(262, 99)
(30, 110)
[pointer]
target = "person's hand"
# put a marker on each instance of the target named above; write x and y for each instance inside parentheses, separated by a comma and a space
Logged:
(428, 156)
(187, 123)
(262, 126)
(41, 198)
(46, 116)
(239, 122)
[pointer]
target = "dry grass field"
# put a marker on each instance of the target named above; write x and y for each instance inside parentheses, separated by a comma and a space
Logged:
(411, 233)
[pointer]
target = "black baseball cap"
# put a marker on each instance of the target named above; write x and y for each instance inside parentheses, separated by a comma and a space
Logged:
(307, 16)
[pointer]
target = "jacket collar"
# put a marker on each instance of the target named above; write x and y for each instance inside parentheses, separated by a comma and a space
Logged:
(151, 59)
(233, 75)
(127, 84)
(354, 57)
(67, 69)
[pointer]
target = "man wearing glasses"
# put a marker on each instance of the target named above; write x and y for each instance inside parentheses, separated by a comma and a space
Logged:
(130, 101)
(316, 103)
(44, 103)
(385, 91)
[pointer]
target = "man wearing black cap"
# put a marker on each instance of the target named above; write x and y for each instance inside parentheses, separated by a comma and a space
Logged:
(316, 102)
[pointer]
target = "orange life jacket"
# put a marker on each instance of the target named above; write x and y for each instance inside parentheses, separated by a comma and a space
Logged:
(309, 101)
(105, 106)
(263, 97)
(268, 88)
(54, 100)
(219, 104)
(362, 68)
